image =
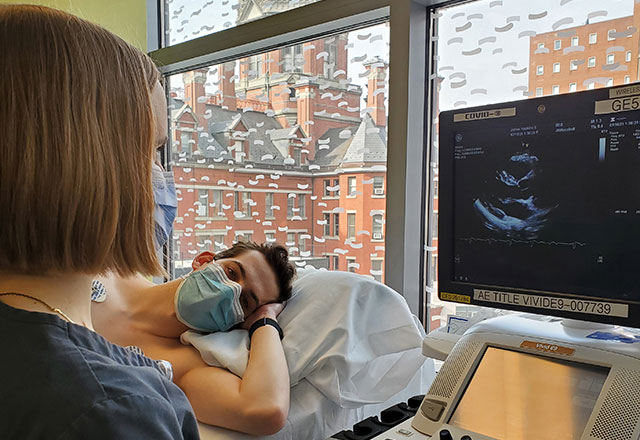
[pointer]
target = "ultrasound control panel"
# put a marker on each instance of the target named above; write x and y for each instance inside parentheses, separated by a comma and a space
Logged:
(518, 378)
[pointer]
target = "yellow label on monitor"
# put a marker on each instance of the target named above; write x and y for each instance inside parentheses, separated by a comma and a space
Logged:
(549, 348)
(455, 297)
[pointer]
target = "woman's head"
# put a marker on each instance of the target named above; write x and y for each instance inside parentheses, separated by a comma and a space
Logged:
(78, 136)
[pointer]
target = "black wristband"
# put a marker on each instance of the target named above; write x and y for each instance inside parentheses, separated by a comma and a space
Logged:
(265, 321)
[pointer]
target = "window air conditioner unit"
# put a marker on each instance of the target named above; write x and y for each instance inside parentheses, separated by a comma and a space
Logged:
(377, 236)
(378, 191)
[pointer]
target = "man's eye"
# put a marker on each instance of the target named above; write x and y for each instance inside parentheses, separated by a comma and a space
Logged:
(231, 273)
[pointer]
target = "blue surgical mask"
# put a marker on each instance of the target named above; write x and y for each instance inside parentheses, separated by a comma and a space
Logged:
(208, 301)
(166, 203)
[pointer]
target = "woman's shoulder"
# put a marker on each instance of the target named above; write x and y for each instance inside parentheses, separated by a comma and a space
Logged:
(50, 364)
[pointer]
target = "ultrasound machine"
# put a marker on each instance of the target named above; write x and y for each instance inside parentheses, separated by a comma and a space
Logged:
(539, 213)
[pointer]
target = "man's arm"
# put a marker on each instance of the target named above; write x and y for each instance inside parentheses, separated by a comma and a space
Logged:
(256, 404)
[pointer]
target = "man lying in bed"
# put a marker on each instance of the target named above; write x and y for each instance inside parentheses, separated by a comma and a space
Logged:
(245, 284)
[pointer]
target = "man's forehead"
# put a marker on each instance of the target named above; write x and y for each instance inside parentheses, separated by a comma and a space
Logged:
(259, 275)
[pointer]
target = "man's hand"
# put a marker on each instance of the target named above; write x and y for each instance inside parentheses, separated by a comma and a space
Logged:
(265, 311)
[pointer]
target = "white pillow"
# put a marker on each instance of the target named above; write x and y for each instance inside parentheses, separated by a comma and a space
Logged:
(352, 338)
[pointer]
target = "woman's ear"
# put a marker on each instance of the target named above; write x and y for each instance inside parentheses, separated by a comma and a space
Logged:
(202, 259)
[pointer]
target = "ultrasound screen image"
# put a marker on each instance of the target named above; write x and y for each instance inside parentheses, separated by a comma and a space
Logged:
(549, 204)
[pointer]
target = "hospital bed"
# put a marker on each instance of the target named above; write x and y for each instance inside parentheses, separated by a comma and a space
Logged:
(353, 348)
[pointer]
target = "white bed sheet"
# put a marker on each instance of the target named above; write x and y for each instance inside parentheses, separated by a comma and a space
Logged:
(312, 416)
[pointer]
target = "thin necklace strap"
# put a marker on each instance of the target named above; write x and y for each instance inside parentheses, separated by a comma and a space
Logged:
(54, 310)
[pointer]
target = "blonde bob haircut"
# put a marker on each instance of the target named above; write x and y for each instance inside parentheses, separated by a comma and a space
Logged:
(76, 147)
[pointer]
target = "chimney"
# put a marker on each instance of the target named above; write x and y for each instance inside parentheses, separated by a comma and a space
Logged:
(227, 85)
(377, 74)
(194, 94)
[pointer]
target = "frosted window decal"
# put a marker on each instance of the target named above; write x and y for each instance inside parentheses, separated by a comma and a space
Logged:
(261, 147)
(528, 49)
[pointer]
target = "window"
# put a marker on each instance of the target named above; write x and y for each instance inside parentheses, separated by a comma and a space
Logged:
(302, 242)
(538, 91)
(237, 202)
(336, 262)
(327, 224)
(291, 244)
(185, 146)
(216, 204)
(253, 103)
(268, 205)
(377, 227)
(591, 86)
(486, 73)
(556, 67)
(297, 156)
(293, 58)
(376, 269)
(244, 236)
(574, 41)
(540, 46)
(540, 70)
(255, 67)
(611, 58)
(573, 65)
(351, 264)
(243, 205)
(290, 207)
(610, 82)
(203, 200)
(610, 34)
(330, 47)
(351, 226)
(302, 206)
(239, 152)
(270, 237)
(378, 185)
(627, 79)
(572, 87)
(219, 242)
(591, 62)
(628, 56)
(351, 186)
(197, 18)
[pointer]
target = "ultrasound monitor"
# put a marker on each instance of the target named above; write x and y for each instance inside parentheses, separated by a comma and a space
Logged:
(539, 205)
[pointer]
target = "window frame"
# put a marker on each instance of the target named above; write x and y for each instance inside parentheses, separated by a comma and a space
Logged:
(410, 101)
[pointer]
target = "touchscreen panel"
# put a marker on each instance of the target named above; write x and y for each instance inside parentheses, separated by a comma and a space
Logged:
(519, 396)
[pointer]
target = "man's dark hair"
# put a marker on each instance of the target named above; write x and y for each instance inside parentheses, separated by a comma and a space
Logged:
(278, 258)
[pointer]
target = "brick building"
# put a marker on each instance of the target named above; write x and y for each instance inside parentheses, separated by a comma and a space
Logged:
(282, 151)
(584, 57)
